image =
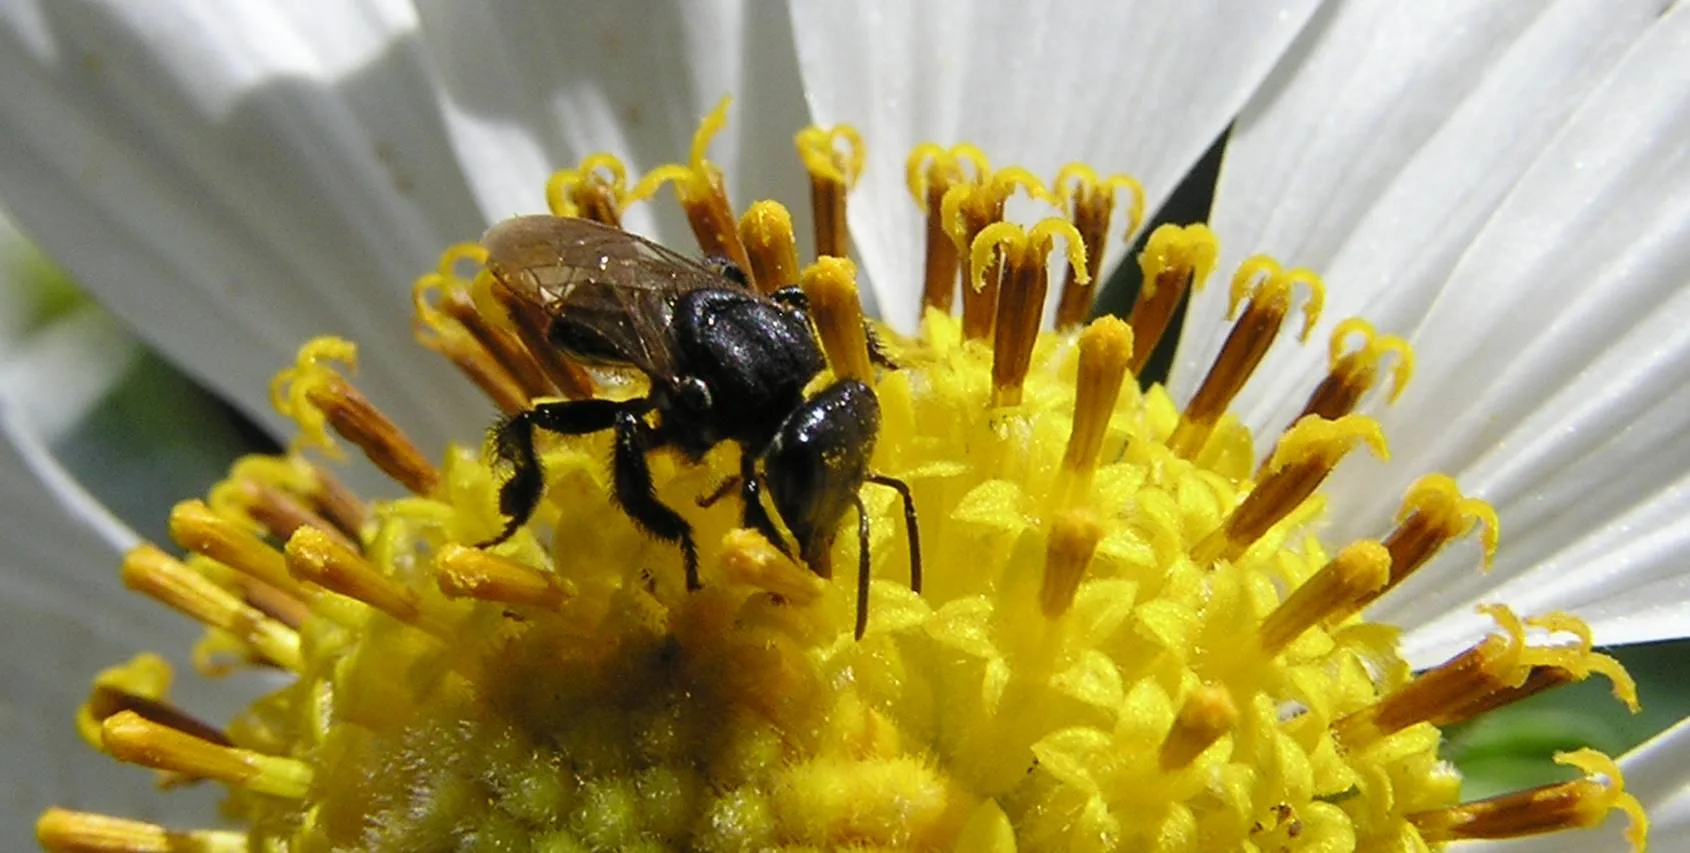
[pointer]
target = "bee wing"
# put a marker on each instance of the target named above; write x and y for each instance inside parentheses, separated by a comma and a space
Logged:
(610, 294)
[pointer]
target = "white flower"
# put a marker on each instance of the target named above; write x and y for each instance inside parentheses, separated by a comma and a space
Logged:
(1504, 184)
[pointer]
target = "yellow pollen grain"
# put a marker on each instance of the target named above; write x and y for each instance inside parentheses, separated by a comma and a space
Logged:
(1359, 569)
(1205, 716)
(129, 737)
(766, 231)
(65, 831)
(831, 285)
(148, 570)
(1073, 539)
(1175, 259)
(465, 572)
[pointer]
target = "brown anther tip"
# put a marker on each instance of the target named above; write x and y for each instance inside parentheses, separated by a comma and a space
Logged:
(1072, 542)
(1577, 804)
(358, 420)
(1207, 714)
(766, 231)
(472, 573)
(1358, 570)
(131, 738)
(831, 286)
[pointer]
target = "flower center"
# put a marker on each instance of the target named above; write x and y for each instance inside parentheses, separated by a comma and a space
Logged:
(1119, 635)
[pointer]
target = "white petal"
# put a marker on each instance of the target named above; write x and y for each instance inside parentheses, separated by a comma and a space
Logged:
(231, 180)
(1657, 774)
(1137, 87)
(1567, 319)
(534, 89)
(1389, 136)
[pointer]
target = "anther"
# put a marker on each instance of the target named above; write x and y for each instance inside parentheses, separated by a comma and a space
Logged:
(281, 513)
(531, 324)
(1497, 666)
(313, 394)
(1207, 714)
(65, 831)
(1176, 259)
(969, 209)
(1073, 539)
(1357, 570)
(1269, 290)
(1106, 346)
(930, 173)
(831, 286)
(1434, 513)
(1580, 804)
(446, 319)
(1021, 301)
(832, 175)
(474, 573)
(1306, 454)
(1090, 202)
(1352, 373)
(197, 528)
(766, 231)
(703, 196)
(129, 737)
(150, 571)
(318, 559)
(141, 686)
(597, 190)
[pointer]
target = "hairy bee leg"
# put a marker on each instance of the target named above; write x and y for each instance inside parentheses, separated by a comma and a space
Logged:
(721, 491)
(754, 515)
(910, 525)
(862, 565)
(513, 445)
(635, 493)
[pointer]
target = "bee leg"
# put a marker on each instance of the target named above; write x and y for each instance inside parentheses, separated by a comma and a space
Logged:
(633, 490)
(910, 526)
(862, 565)
(751, 495)
(512, 444)
(716, 494)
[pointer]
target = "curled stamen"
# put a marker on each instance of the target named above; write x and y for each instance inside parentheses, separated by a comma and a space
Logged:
(129, 737)
(930, 173)
(597, 190)
(1270, 301)
(313, 394)
(1176, 259)
(766, 231)
(703, 195)
(314, 557)
(831, 285)
(1091, 202)
(474, 573)
(446, 319)
(1207, 714)
(1073, 539)
(1580, 804)
(1106, 346)
(1434, 513)
(1022, 255)
(832, 175)
(967, 210)
(65, 831)
(1305, 455)
(154, 573)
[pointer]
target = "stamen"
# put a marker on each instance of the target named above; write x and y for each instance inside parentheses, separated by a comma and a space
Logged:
(832, 175)
(280, 513)
(474, 573)
(1022, 258)
(699, 186)
(766, 231)
(597, 190)
(1074, 535)
(446, 319)
(1353, 373)
(969, 209)
(1434, 513)
(150, 571)
(312, 393)
(142, 686)
(1175, 259)
(930, 173)
(129, 737)
(1208, 713)
(1105, 348)
(1358, 570)
(314, 557)
(531, 324)
(1091, 202)
(831, 285)
(1270, 301)
(1579, 804)
(65, 831)
(749, 558)
(195, 527)
(1497, 666)
(1306, 454)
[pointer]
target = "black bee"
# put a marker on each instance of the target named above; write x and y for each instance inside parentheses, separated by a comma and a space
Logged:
(725, 363)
